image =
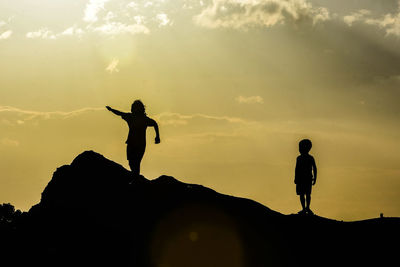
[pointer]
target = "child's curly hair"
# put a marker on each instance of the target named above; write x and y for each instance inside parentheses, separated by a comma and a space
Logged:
(138, 108)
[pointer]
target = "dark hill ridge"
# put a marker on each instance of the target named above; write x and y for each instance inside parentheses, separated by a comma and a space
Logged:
(92, 212)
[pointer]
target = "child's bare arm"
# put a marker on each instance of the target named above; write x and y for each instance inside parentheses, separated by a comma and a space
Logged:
(154, 124)
(314, 172)
(116, 112)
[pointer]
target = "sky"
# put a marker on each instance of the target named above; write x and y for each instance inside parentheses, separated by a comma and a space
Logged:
(233, 84)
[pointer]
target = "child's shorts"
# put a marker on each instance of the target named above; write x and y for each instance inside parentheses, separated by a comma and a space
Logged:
(304, 188)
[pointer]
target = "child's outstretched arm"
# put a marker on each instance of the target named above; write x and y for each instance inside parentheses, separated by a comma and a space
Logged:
(154, 124)
(314, 172)
(116, 112)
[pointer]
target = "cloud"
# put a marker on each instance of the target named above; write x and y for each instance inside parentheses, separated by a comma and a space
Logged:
(71, 31)
(204, 127)
(5, 35)
(116, 19)
(196, 125)
(242, 14)
(108, 28)
(163, 20)
(124, 17)
(356, 16)
(92, 9)
(26, 115)
(389, 22)
(171, 118)
(112, 67)
(116, 28)
(133, 5)
(250, 99)
(45, 33)
(181, 119)
(174, 122)
(42, 33)
(113, 19)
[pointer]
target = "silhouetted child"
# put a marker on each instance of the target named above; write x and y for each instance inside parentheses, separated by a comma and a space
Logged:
(136, 142)
(305, 175)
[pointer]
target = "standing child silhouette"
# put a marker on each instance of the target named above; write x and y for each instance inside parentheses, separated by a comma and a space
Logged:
(305, 175)
(136, 142)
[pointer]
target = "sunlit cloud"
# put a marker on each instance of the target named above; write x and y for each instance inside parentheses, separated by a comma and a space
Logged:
(5, 35)
(163, 19)
(170, 117)
(92, 9)
(116, 28)
(139, 19)
(118, 17)
(174, 122)
(109, 16)
(112, 67)
(132, 5)
(241, 14)
(250, 99)
(26, 115)
(389, 22)
(356, 16)
(72, 31)
(16, 116)
(42, 33)
(122, 17)
(164, 117)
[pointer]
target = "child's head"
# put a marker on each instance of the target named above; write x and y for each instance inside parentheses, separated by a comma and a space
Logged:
(305, 146)
(138, 108)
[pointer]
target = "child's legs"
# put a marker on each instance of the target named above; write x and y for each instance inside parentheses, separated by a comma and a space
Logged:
(302, 201)
(135, 155)
(134, 163)
(135, 167)
(308, 200)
